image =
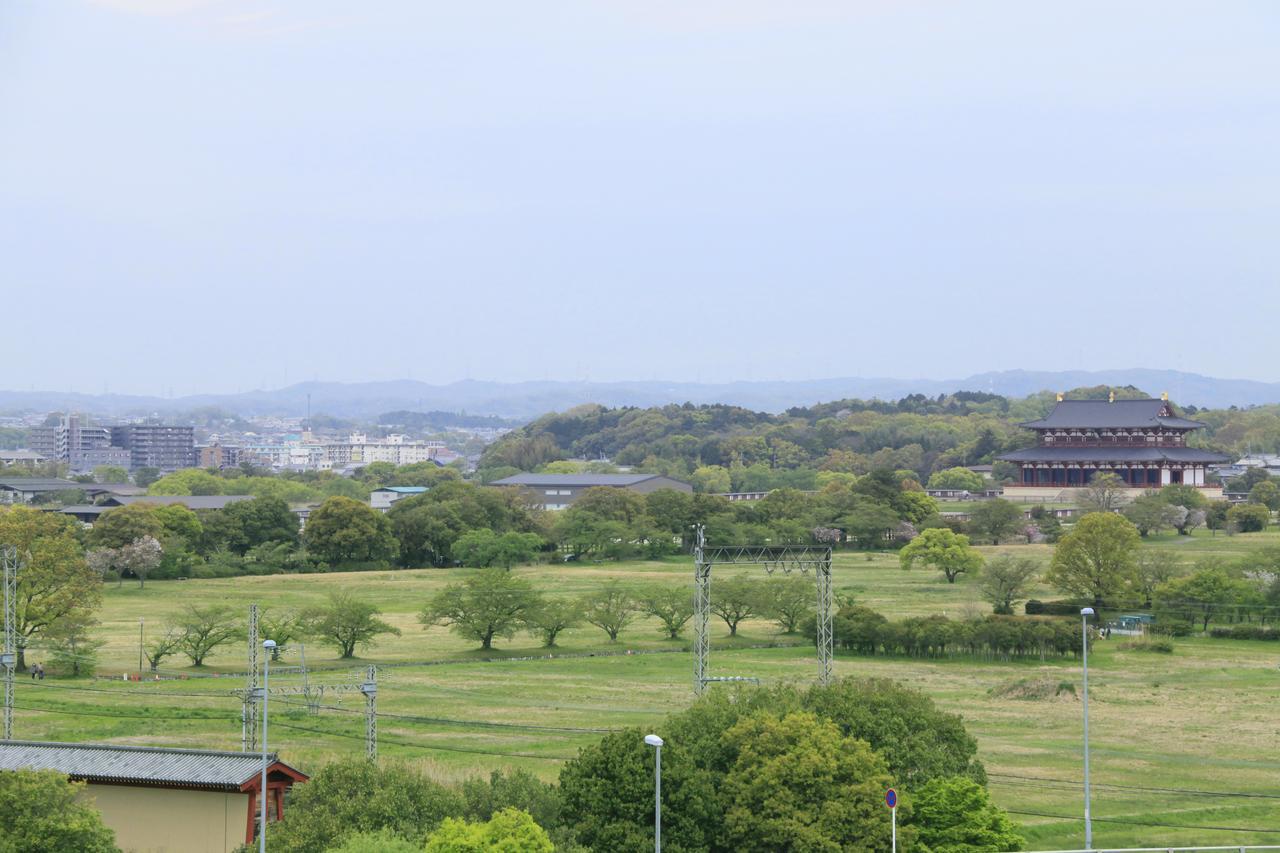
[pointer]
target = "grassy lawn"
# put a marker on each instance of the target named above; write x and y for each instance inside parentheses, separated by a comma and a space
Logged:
(1201, 719)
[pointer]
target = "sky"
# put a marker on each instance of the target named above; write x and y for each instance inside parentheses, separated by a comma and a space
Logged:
(220, 195)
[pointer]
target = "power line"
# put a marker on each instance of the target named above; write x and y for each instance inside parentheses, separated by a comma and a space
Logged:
(447, 721)
(1145, 822)
(101, 715)
(1154, 790)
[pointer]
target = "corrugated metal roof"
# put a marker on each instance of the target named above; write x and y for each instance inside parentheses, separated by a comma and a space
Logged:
(1099, 414)
(573, 479)
(403, 490)
(135, 764)
(1112, 454)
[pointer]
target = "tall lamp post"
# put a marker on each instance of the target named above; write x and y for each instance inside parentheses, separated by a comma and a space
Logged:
(268, 646)
(1085, 613)
(656, 742)
(140, 624)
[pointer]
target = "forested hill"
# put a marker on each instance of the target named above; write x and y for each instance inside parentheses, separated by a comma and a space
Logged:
(723, 448)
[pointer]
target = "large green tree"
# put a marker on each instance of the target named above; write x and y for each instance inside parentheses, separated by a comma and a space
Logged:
(1096, 560)
(957, 478)
(55, 584)
(610, 607)
(509, 829)
(346, 622)
(797, 783)
(1006, 580)
(490, 603)
(347, 797)
(43, 811)
(945, 550)
(956, 815)
(342, 530)
(995, 519)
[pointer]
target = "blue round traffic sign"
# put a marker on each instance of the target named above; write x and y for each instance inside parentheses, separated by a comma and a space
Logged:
(891, 798)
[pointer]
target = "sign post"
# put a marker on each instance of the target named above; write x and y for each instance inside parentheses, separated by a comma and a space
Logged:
(891, 800)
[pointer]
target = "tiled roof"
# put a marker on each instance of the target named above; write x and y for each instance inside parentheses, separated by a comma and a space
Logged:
(1100, 414)
(189, 501)
(38, 484)
(138, 764)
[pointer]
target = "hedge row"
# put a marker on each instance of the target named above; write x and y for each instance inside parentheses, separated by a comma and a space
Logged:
(863, 631)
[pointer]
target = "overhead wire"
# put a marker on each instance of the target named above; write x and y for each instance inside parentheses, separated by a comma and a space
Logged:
(1132, 822)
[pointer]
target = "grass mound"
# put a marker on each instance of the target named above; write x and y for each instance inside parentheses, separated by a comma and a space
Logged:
(1036, 690)
(1159, 645)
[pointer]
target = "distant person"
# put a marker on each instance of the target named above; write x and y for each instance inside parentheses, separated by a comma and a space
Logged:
(34, 668)
(40, 670)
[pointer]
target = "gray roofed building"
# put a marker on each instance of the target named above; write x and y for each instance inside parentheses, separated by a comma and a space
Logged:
(189, 501)
(161, 798)
(1101, 414)
(557, 491)
(1112, 454)
(138, 765)
(24, 489)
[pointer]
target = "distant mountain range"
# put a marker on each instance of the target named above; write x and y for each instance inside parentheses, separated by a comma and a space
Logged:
(525, 400)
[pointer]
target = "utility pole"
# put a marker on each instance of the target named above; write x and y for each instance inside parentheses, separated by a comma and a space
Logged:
(9, 656)
(249, 714)
(370, 690)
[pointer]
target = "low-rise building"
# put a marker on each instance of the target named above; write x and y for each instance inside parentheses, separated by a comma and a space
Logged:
(25, 489)
(217, 456)
(383, 498)
(25, 458)
(157, 799)
(558, 491)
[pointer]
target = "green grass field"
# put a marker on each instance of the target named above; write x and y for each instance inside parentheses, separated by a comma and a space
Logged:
(1200, 720)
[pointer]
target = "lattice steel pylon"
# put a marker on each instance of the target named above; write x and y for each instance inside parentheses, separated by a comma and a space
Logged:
(249, 714)
(370, 690)
(771, 557)
(9, 656)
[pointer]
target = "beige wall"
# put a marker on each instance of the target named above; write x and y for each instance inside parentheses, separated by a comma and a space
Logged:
(164, 820)
(1042, 494)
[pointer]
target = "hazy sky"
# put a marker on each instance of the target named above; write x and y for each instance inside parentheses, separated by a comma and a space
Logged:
(213, 195)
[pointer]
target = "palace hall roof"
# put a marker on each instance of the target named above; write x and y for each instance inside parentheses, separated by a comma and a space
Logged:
(1114, 454)
(1121, 414)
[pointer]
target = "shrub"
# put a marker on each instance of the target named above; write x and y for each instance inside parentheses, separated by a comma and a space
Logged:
(1160, 645)
(1245, 632)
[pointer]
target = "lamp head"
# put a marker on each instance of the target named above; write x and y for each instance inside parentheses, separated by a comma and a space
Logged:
(268, 644)
(1086, 611)
(653, 740)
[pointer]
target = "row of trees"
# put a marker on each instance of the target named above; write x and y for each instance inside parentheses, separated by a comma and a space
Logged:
(862, 630)
(494, 604)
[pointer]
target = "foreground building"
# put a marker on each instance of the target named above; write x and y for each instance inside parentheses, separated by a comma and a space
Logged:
(158, 799)
(557, 491)
(1143, 442)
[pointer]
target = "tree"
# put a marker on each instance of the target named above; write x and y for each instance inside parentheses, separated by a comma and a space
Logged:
(46, 811)
(483, 548)
(139, 557)
(121, 525)
(145, 476)
(1096, 559)
(491, 603)
(257, 522)
(1249, 518)
(957, 478)
(735, 599)
(392, 798)
(188, 481)
(54, 581)
(426, 532)
(163, 646)
(281, 626)
(375, 841)
(796, 783)
(509, 829)
(869, 522)
(203, 629)
(1202, 594)
(789, 599)
(1266, 493)
(342, 530)
(670, 605)
(1104, 493)
(956, 815)
(549, 616)
(1153, 568)
(1216, 516)
(944, 550)
(1006, 580)
(711, 478)
(1150, 513)
(347, 622)
(73, 651)
(110, 474)
(611, 608)
(995, 519)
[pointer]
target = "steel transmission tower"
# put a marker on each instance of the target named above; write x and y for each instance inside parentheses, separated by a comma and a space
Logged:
(771, 558)
(370, 690)
(9, 656)
(249, 714)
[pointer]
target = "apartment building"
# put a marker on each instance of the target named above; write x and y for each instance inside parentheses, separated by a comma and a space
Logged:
(82, 446)
(150, 445)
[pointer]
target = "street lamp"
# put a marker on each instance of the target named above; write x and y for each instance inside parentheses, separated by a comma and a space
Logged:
(140, 624)
(656, 742)
(1085, 613)
(267, 646)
